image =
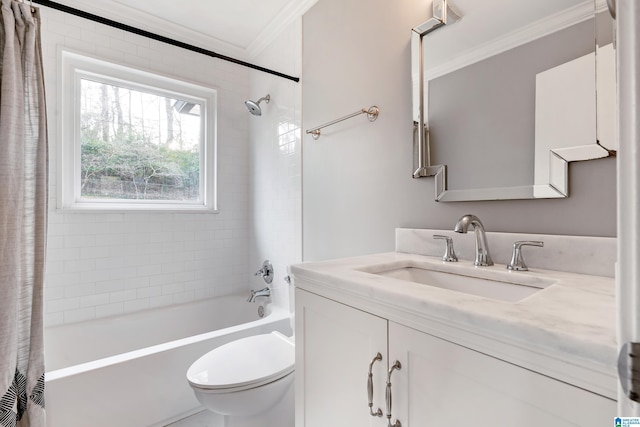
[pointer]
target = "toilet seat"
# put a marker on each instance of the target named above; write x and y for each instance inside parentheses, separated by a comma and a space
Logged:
(244, 364)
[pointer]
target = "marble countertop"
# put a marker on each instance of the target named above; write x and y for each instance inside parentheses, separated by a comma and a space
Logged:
(574, 318)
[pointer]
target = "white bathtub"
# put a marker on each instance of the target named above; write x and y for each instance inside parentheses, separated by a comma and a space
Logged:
(130, 370)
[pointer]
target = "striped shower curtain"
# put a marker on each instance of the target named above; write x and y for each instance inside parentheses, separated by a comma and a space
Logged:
(23, 216)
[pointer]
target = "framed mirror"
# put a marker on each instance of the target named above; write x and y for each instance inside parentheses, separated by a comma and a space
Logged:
(512, 93)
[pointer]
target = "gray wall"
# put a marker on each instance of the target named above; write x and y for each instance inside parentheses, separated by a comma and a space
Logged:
(357, 185)
(482, 117)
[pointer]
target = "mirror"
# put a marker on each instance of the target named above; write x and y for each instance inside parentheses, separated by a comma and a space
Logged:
(510, 97)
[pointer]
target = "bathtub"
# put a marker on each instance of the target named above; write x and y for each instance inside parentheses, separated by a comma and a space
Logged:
(129, 371)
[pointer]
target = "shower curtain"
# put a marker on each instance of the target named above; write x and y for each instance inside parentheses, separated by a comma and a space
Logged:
(23, 216)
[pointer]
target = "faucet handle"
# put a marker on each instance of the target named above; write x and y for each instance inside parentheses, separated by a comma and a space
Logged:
(517, 261)
(449, 253)
(266, 272)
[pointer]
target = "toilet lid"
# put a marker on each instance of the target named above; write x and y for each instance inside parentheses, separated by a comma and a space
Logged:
(250, 361)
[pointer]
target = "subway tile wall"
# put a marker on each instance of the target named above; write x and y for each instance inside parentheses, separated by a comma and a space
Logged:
(276, 161)
(105, 264)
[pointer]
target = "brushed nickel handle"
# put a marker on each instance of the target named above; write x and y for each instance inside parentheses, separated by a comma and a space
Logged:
(449, 253)
(517, 261)
(388, 397)
(378, 412)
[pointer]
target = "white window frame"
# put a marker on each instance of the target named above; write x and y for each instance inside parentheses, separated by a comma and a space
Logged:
(74, 68)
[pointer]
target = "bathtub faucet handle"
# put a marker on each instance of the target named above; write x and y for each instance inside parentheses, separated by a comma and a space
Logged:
(266, 271)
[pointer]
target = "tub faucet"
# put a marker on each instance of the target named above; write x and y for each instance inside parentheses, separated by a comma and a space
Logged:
(266, 272)
(483, 258)
(264, 292)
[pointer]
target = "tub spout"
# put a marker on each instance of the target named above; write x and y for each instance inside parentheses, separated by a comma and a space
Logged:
(264, 292)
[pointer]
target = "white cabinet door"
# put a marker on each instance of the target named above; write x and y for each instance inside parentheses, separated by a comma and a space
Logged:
(445, 384)
(334, 345)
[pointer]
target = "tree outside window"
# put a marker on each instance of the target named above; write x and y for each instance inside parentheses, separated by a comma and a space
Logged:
(137, 145)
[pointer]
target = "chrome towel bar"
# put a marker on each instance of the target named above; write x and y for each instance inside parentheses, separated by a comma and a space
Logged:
(372, 114)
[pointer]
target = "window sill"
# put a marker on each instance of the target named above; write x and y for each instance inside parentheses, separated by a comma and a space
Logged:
(100, 208)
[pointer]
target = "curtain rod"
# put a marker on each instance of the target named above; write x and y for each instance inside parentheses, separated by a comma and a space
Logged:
(153, 36)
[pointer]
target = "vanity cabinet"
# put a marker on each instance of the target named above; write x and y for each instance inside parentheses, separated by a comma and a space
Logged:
(440, 383)
(334, 346)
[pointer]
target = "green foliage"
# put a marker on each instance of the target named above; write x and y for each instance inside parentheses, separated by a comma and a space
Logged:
(130, 165)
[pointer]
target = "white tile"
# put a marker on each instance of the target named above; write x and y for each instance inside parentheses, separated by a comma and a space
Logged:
(109, 286)
(94, 300)
(174, 267)
(109, 239)
(70, 31)
(137, 282)
(112, 309)
(137, 260)
(55, 242)
(88, 252)
(161, 279)
(135, 257)
(124, 46)
(53, 293)
(82, 289)
(149, 270)
(53, 319)
(160, 301)
(62, 254)
(71, 266)
(123, 273)
(54, 267)
(173, 288)
(183, 297)
(64, 304)
(90, 36)
(149, 292)
(124, 250)
(121, 296)
(136, 305)
(63, 279)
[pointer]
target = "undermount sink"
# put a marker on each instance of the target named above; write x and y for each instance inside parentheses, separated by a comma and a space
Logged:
(485, 282)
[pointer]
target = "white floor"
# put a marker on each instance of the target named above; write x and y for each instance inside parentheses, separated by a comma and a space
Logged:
(201, 419)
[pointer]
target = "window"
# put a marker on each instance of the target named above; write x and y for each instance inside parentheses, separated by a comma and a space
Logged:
(134, 140)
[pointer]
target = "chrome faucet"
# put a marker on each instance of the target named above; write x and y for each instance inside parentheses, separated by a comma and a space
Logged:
(483, 258)
(264, 292)
(517, 261)
(266, 272)
(449, 252)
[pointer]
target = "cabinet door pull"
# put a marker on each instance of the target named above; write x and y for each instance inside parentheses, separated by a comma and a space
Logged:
(378, 412)
(396, 365)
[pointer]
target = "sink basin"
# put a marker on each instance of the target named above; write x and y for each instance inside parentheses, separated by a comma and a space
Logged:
(484, 282)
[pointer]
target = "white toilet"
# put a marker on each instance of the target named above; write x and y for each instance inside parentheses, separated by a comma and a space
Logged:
(249, 381)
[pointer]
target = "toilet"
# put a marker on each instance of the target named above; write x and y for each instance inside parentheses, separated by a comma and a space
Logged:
(248, 381)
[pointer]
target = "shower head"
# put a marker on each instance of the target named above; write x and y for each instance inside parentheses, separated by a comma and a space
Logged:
(254, 106)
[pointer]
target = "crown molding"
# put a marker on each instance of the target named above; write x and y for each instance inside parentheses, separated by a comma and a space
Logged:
(278, 24)
(136, 18)
(533, 31)
(601, 6)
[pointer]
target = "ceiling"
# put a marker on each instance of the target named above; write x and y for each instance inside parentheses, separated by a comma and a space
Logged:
(233, 27)
(489, 27)
(243, 28)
